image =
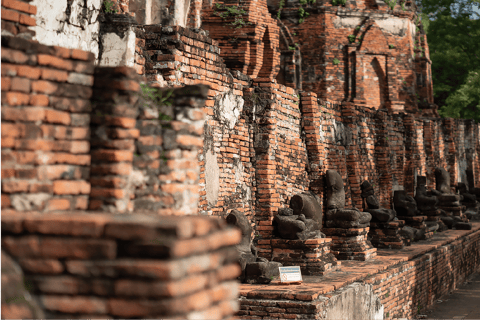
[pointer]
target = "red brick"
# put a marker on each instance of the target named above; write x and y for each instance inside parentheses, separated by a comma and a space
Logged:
(117, 133)
(114, 168)
(42, 266)
(189, 141)
(8, 173)
(10, 15)
(6, 201)
(55, 75)
(71, 187)
(6, 84)
(16, 311)
(14, 56)
(47, 87)
(39, 100)
(82, 55)
(24, 173)
(112, 155)
(81, 203)
(27, 20)
(62, 52)
(40, 188)
(20, 84)
(80, 147)
(8, 142)
(107, 193)
(9, 69)
(54, 62)
(17, 98)
(55, 116)
(13, 130)
(58, 204)
(15, 186)
(127, 85)
(75, 304)
(29, 72)
(20, 6)
(23, 114)
(122, 122)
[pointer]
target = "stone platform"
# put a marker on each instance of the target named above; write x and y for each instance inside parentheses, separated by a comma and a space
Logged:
(394, 284)
(350, 244)
(312, 255)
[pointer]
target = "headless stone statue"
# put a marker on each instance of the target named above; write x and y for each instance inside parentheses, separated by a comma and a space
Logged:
(426, 201)
(293, 227)
(404, 204)
(373, 206)
(337, 216)
(449, 201)
(469, 201)
(254, 269)
(442, 179)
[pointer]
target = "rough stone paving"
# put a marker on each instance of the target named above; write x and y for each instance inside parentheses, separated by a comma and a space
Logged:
(255, 110)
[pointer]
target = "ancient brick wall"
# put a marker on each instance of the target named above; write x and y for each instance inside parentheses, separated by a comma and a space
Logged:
(45, 126)
(80, 265)
(340, 43)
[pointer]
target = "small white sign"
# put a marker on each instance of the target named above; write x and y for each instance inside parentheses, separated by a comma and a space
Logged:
(290, 274)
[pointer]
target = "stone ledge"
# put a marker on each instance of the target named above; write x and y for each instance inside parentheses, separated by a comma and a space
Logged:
(353, 271)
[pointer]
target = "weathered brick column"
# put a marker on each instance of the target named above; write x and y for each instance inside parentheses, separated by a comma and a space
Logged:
(121, 266)
(45, 126)
(114, 113)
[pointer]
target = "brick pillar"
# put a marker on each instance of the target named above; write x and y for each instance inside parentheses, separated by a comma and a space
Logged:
(114, 113)
(45, 126)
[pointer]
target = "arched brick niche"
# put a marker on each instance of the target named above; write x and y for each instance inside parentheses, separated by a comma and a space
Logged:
(372, 76)
(253, 48)
(290, 71)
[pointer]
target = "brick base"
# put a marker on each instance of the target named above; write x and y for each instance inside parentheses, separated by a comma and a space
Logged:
(312, 255)
(350, 244)
(387, 234)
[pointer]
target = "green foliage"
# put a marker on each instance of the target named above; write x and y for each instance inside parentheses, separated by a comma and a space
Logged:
(109, 6)
(357, 28)
(232, 12)
(391, 3)
(339, 2)
(159, 98)
(336, 61)
(351, 38)
(302, 14)
(281, 5)
(391, 46)
(454, 51)
(465, 101)
(387, 315)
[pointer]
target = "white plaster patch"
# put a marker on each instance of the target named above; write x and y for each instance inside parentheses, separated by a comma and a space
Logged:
(118, 51)
(355, 301)
(230, 106)
(25, 202)
(77, 31)
(212, 177)
(346, 22)
(396, 26)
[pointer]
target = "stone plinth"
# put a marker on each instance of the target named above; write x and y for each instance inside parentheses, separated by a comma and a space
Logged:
(350, 244)
(418, 222)
(387, 234)
(312, 255)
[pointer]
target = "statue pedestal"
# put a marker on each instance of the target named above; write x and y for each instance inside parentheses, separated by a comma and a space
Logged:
(418, 222)
(350, 244)
(387, 235)
(312, 255)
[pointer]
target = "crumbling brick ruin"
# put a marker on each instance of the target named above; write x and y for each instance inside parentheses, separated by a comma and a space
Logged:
(258, 100)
